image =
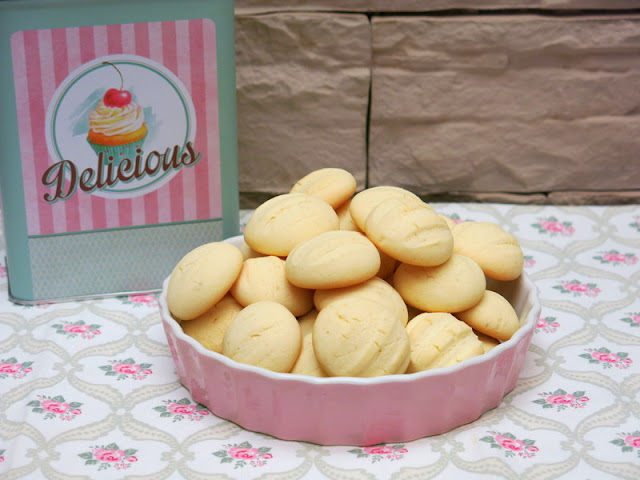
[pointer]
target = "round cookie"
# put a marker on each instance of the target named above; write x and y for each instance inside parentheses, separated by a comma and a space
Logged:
(264, 278)
(344, 217)
(264, 334)
(363, 202)
(388, 265)
(374, 289)
(307, 363)
(493, 316)
(488, 343)
(409, 231)
(440, 340)
(456, 285)
(335, 259)
(248, 252)
(209, 328)
(448, 220)
(201, 278)
(333, 185)
(359, 338)
(497, 252)
(284, 221)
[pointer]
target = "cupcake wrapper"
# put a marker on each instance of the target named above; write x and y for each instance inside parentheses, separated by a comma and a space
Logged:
(117, 152)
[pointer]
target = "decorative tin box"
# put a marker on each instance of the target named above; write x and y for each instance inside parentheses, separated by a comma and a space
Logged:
(117, 139)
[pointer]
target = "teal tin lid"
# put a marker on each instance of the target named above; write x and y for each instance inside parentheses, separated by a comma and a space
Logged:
(119, 141)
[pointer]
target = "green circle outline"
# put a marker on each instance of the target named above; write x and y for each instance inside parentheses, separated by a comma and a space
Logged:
(120, 62)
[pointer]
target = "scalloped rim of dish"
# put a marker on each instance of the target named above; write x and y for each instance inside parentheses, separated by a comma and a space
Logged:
(527, 325)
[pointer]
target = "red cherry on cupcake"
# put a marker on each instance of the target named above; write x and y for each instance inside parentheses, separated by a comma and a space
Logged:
(116, 97)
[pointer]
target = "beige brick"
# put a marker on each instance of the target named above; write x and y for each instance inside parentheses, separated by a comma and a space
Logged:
(491, 197)
(595, 198)
(599, 153)
(302, 84)
(505, 104)
(255, 6)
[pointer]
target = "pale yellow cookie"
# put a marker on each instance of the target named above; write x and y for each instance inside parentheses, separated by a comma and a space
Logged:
(209, 328)
(264, 334)
(374, 289)
(344, 216)
(456, 285)
(307, 363)
(388, 265)
(332, 260)
(496, 251)
(493, 316)
(440, 340)
(284, 221)
(247, 251)
(360, 338)
(201, 278)
(264, 278)
(488, 343)
(409, 231)
(413, 312)
(449, 221)
(363, 202)
(333, 185)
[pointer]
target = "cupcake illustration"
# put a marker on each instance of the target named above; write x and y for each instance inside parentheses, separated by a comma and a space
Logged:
(116, 126)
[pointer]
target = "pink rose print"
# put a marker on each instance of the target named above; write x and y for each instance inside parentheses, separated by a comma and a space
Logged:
(560, 399)
(2, 456)
(628, 442)
(6, 367)
(76, 328)
(127, 369)
(633, 319)
(378, 453)
(79, 328)
(567, 398)
(577, 288)
(547, 324)
(511, 445)
(635, 223)
(55, 407)
(529, 261)
(379, 450)
(632, 440)
(607, 359)
(455, 218)
(109, 456)
(3, 271)
(552, 226)
(613, 257)
(182, 409)
(243, 454)
(10, 367)
(141, 299)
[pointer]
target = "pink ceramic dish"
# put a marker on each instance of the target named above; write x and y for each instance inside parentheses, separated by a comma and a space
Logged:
(355, 411)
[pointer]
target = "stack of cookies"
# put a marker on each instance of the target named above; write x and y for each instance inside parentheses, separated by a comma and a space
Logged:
(330, 282)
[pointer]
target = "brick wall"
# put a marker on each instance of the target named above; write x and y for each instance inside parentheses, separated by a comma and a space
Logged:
(532, 102)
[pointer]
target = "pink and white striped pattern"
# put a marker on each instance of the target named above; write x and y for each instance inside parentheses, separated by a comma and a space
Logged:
(42, 59)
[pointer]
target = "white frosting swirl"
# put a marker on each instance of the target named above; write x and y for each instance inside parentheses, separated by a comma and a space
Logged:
(116, 120)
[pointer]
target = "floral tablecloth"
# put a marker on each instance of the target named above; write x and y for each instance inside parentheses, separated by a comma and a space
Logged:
(88, 388)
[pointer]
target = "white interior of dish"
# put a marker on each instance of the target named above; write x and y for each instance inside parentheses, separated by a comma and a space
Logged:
(521, 293)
